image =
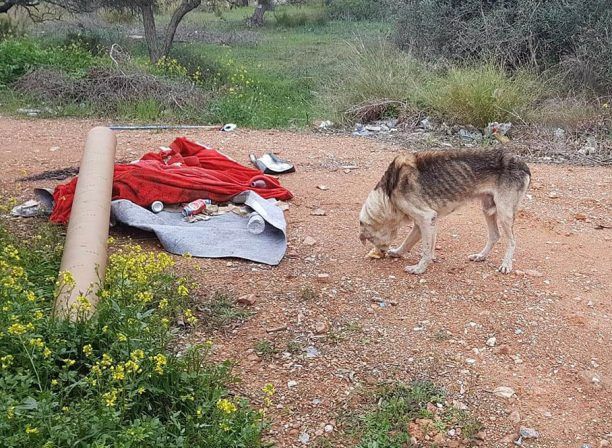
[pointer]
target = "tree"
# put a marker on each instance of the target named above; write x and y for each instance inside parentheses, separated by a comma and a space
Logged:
(158, 45)
(257, 19)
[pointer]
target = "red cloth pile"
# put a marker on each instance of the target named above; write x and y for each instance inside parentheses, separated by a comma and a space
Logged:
(187, 172)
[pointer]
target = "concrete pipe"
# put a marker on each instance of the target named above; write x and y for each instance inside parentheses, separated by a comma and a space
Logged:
(85, 251)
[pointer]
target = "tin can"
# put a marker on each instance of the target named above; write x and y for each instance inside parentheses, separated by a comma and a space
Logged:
(157, 206)
(196, 207)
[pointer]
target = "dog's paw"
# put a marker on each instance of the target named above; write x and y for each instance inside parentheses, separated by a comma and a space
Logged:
(394, 252)
(477, 257)
(415, 269)
(505, 268)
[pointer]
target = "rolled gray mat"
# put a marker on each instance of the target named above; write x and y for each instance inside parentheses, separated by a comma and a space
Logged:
(256, 224)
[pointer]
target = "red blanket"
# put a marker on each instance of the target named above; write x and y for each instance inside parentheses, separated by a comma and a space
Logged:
(187, 172)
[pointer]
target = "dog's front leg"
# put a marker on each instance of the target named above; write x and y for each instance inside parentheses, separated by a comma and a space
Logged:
(408, 243)
(427, 225)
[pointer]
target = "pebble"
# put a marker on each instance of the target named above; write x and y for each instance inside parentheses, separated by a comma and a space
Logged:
(528, 433)
(329, 428)
(553, 195)
(491, 341)
(323, 278)
(503, 391)
(275, 329)
(603, 443)
(533, 273)
(515, 417)
(309, 241)
(318, 212)
(580, 217)
(321, 327)
(323, 187)
(291, 383)
(248, 300)
(312, 352)
(304, 438)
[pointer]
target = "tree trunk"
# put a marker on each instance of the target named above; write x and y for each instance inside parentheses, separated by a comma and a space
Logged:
(159, 49)
(257, 19)
(150, 32)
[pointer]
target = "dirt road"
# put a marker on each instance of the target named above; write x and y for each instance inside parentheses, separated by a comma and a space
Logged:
(550, 318)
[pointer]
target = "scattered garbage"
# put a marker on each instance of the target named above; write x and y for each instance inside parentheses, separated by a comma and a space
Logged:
(498, 130)
(229, 127)
(470, 136)
(196, 207)
(377, 127)
(154, 127)
(157, 206)
(270, 163)
(426, 124)
(40, 206)
(590, 147)
(256, 224)
(559, 134)
(29, 112)
(326, 124)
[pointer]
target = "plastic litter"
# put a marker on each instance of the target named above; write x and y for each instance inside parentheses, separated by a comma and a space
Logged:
(157, 206)
(271, 164)
(40, 206)
(256, 224)
(229, 127)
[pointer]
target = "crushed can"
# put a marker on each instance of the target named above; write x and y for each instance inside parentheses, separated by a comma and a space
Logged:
(196, 207)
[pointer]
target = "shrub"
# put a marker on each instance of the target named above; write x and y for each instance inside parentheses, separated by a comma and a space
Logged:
(301, 18)
(378, 81)
(18, 56)
(480, 94)
(515, 33)
(111, 380)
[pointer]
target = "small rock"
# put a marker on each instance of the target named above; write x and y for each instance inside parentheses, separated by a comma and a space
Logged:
(318, 212)
(452, 432)
(528, 433)
(554, 195)
(491, 341)
(533, 273)
(586, 445)
(253, 358)
(470, 361)
(321, 327)
(54, 148)
(276, 329)
(603, 443)
(323, 187)
(580, 217)
(515, 417)
(304, 438)
(329, 428)
(323, 278)
(291, 383)
(309, 241)
(503, 391)
(312, 351)
(248, 300)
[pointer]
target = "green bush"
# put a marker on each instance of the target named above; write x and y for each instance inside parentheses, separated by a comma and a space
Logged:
(301, 18)
(515, 33)
(19, 56)
(481, 94)
(117, 379)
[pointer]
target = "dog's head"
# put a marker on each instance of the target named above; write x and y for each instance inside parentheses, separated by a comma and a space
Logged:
(378, 220)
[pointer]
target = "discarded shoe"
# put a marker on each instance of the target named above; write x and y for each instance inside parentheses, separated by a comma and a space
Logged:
(270, 164)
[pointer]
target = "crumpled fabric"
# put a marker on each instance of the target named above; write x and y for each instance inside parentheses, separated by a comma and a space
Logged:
(183, 173)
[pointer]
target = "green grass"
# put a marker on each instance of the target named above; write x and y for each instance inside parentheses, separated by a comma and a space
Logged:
(220, 310)
(114, 380)
(385, 423)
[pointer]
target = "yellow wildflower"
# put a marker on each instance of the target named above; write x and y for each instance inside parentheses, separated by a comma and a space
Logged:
(121, 337)
(17, 329)
(226, 406)
(163, 304)
(46, 353)
(110, 398)
(88, 350)
(119, 373)
(54, 382)
(269, 389)
(137, 355)
(69, 362)
(160, 363)
(141, 390)
(183, 291)
(37, 343)
(30, 430)
(10, 412)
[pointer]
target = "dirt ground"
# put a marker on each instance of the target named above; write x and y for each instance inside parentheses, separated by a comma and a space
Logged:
(550, 317)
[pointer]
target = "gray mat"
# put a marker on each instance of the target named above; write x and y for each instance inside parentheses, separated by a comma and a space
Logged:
(221, 236)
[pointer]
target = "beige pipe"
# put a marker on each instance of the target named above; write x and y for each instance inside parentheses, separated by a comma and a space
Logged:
(85, 251)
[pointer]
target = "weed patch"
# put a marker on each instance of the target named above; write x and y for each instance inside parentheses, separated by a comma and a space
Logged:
(111, 380)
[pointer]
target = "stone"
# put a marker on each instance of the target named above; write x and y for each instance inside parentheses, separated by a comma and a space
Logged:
(533, 273)
(515, 416)
(491, 341)
(329, 428)
(312, 351)
(323, 278)
(580, 217)
(528, 433)
(248, 300)
(309, 241)
(323, 187)
(304, 438)
(554, 195)
(503, 391)
(276, 329)
(321, 327)
(291, 383)
(318, 212)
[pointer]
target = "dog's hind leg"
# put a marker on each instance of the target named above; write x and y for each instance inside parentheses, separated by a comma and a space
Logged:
(490, 212)
(413, 237)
